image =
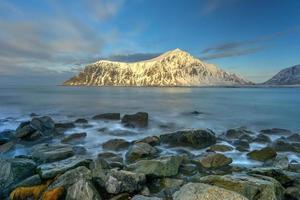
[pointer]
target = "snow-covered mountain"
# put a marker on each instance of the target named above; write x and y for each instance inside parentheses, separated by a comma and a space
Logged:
(288, 76)
(173, 68)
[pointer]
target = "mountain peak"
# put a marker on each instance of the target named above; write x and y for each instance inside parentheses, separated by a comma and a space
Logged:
(287, 76)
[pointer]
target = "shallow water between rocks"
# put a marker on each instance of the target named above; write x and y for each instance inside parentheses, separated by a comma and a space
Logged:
(169, 109)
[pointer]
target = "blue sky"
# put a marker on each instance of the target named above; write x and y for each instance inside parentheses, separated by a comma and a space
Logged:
(254, 38)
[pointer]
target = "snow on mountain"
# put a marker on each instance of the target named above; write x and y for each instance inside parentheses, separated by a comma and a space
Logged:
(173, 68)
(288, 76)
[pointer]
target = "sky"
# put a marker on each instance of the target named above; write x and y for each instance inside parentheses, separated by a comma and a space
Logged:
(52, 40)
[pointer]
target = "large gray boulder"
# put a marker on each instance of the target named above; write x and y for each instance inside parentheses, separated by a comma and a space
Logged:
(45, 153)
(213, 161)
(82, 190)
(160, 167)
(253, 187)
(263, 154)
(141, 151)
(124, 181)
(200, 191)
(196, 138)
(50, 170)
(13, 171)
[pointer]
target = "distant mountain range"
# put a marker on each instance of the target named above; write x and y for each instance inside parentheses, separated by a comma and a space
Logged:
(288, 76)
(173, 68)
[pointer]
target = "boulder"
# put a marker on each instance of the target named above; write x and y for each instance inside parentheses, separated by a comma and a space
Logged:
(294, 138)
(241, 145)
(13, 171)
(284, 177)
(73, 137)
(43, 124)
(24, 130)
(63, 126)
(81, 121)
(263, 154)
(237, 132)
(50, 170)
(124, 181)
(116, 144)
(196, 138)
(45, 153)
(213, 161)
(282, 145)
(28, 182)
(108, 116)
(152, 140)
(111, 158)
(70, 177)
(188, 169)
(141, 197)
(276, 131)
(200, 191)
(262, 138)
(82, 190)
(141, 151)
(220, 148)
(292, 193)
(139, 120)
(160, 167)
(7, 147)
(252, 187)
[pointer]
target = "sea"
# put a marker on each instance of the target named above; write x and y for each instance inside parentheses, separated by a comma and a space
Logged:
(169, 108)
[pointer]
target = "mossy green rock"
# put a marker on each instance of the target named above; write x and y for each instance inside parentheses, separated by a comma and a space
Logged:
(263, 154)
(161, 167)
(196, 138)
(253, 187)
(141, 151)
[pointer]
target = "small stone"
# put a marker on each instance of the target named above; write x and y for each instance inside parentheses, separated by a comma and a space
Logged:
(81, 121)
(108, 116)
(213, 161)
(220, 148)
(73, 137)
(116, 144)
(139, 119)
(262, 138)
(152, 140)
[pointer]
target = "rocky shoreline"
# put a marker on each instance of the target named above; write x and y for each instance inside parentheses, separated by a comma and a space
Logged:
(57, 166)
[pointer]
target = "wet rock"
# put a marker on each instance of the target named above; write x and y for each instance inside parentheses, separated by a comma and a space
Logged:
(188, 169)
(262, 138)
(220, 148)
(152, 140)
(28, 182)
(263, 154)
(241, 145)
(81, 121)
(284, 177)
(237, 132)
(196, 138)
(200, 191)
(294, 167)
(282, 145)
(171, 182)
(43, 124)
(44, 153)
(276, 131)
(113, 160)
(124, 181)
(50, 170)
(292, 193)
(7, 147)
(141, 197)
(79, 150)
(139, 120)
(141, 151)
(294, 138)
(73, 137)
(108, 116)
(281, 162)
(246, 138)
(160, 167)
(213, 161)
(33, 115)
(253, 187)
(24, 129)
(13, 171)
(71, 176)
(116, 144)
(7, 134)
(82, 190)
(3, 140)
(195, 112)
(62, 127)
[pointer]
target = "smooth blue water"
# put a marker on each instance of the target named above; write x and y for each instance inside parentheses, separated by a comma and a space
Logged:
(223, 108)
